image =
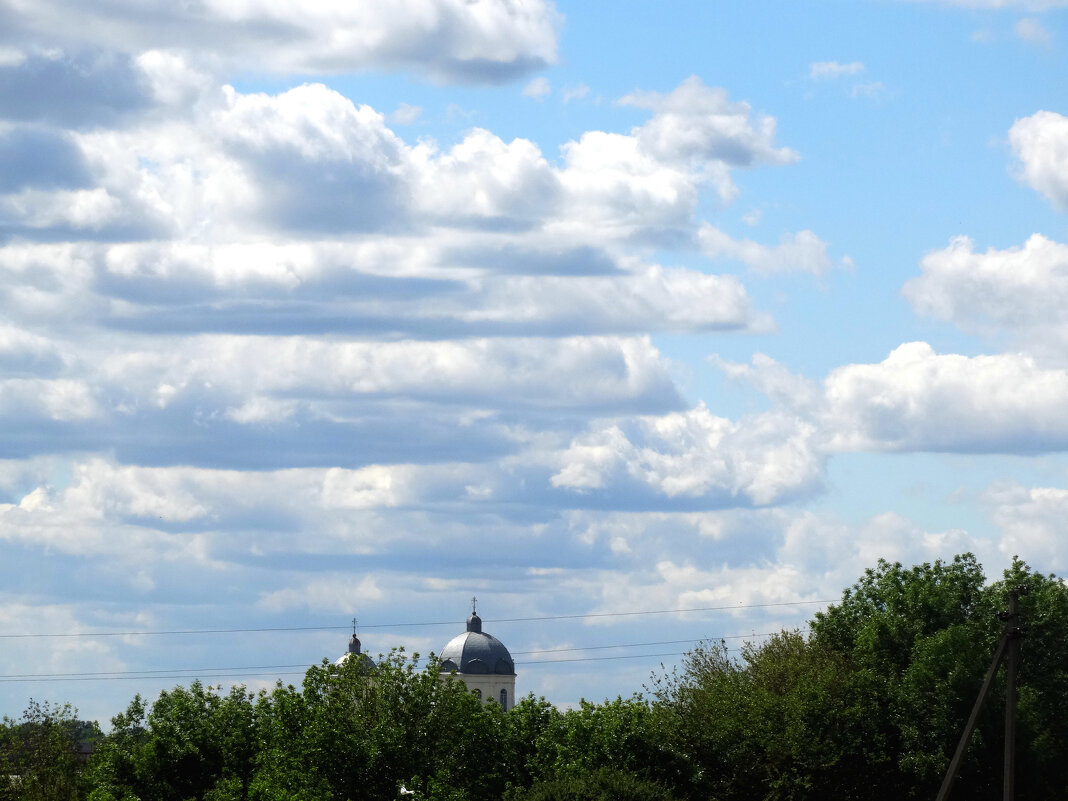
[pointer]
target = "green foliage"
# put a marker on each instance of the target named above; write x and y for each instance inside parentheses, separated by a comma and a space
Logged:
(603, 784)
(194, 743)
(39, 754)
(869, 706)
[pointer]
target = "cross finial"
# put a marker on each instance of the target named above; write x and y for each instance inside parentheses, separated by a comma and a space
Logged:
(474, 605)
(354, 627)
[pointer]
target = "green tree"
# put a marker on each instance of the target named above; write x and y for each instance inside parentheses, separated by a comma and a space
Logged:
(39, 754)
(194, 743)
(603, 784)
(872, 704)
(917, 641)
(352, 733)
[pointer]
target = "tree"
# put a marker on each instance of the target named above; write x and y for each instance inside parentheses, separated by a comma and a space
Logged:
(193, 743)
(350, 733)
(872, 704)
(39, 754)
(603, 784)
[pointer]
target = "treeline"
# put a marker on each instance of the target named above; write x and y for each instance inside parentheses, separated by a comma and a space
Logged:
(869, 705)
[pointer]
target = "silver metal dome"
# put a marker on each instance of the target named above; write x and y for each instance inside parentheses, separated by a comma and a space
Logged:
(476, 652)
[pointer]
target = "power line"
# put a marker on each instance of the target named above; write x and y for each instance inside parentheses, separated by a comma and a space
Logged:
(243, 671)
(645, 644)
(597, 658)
(173, 632)
(145, 673)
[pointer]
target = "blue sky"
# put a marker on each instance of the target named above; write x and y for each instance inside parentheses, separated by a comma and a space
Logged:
(587, 309)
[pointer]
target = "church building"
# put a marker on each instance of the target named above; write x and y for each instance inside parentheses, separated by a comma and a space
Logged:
(354, 652)
(481, 662)
(476, 658)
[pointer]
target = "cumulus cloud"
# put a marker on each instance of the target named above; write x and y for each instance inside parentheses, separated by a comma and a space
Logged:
(1032, 523)
(311, 162)
(320, 162)
(758, 461)
(800, 252)
(452, 40)
(697, 123)
(1021, 291)
(491, 373)
(917, 399)
(484, 179)
(1040, 143)
(257, 343)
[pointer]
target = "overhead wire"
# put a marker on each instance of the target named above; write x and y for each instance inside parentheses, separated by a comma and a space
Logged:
(275, 629)
(245, 671)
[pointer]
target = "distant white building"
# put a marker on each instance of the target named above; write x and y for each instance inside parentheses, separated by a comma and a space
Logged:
(354, 652)
(481, 662)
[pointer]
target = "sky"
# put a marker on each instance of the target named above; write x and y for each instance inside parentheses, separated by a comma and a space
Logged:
(595, 311)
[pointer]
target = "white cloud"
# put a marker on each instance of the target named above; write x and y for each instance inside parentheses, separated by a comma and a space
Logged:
(1032, 31)
(491, 373)
(789, 390)
(759, 460)
(1032, 524)
(1022, 291)
(1040, 143)
(537, 88)
(800, 252)
(919, 400)
(576, 92)
(695, 123)
(308, 160)
(11, 56)
(455, 40)
(172, 79)
(336, 593)
(675, 298)
(91, 209)
(612, 182)
(484, 177)
(405, 114)
(57, 399)
(832, 69)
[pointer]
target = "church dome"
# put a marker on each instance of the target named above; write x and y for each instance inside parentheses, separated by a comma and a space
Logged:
(475, 652)
(355, 653)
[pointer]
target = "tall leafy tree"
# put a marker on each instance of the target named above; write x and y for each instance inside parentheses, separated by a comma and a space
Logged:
(40, 756)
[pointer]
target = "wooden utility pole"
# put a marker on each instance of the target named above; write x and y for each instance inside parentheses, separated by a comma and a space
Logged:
(1013, 633)
(1008, 645)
